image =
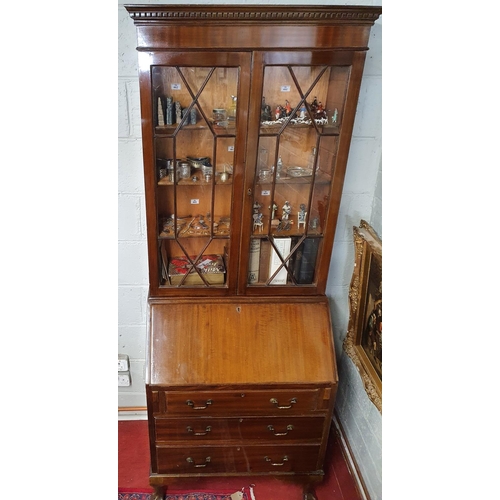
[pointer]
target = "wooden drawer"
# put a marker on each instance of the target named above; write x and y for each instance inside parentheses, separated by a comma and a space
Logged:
(195, 460)
(283, 458)
(224, 403)
(237, 459)
(277, 429)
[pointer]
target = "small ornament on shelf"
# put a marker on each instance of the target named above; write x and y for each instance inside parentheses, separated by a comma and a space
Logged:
(224, 176)
(303, 112)
(320, 112)
(286, 211)
(201, 222)
(257, 221)
(335, 116)
(232, 110)
(167, 227)
(273, 211)
(284, 113)
(194, 116)
(178, 112)
(265, 113)
(301, 216)
(169, 111)
(279, 168)
(161, 119)
(265, 174)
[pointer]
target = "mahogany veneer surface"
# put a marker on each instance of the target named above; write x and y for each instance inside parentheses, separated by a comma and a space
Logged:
(241, 342)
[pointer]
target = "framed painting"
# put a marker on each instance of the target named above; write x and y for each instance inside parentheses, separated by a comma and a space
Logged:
(363, 342)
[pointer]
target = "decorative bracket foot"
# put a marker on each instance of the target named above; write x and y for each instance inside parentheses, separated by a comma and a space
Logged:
(310, 495)
(159, 493)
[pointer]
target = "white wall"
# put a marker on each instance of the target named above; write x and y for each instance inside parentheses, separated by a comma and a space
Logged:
(132, 248)
(361, 199)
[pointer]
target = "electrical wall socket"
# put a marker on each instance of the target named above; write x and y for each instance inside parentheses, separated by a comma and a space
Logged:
(124, 379)
(123, 363)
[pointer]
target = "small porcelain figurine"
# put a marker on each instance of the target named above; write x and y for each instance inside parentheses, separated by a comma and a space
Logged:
(335, 116)
(273, 212)
(265, 114)
(320, 111)
(301, 216)
(287, 210)
(257, 221)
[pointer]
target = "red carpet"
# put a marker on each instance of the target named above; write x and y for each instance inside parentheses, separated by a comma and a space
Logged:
(179, 496)
(133, 473)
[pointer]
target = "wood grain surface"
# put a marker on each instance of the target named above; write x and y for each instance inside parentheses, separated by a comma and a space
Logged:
(241, 342)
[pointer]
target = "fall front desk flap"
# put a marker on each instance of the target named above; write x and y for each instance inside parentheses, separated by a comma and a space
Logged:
(241, 341)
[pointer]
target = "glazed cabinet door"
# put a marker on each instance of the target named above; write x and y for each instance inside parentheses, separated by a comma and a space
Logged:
(302, 113)
(194, 108)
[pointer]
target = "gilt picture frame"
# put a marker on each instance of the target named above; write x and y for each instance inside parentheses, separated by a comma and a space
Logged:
(363, 342)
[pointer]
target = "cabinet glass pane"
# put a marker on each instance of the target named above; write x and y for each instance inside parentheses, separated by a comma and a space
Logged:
(194, 140)
(301, 116)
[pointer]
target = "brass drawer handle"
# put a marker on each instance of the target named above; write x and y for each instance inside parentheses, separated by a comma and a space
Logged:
(288, 428)
(207, 430)
(191, 461)
(190, 403)
(277, 464)
(274, 401)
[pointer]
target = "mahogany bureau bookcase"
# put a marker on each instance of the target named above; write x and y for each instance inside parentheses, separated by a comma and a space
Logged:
(247, 116)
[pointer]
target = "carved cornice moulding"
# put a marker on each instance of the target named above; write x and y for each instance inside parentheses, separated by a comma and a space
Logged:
(152, 14)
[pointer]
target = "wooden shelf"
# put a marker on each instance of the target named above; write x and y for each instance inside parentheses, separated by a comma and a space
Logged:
(168, 130)
(321, 178)
(274, 128)
(316, 233)
(189, 182)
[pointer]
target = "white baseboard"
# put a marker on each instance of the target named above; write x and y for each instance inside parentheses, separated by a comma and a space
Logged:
(133, 414)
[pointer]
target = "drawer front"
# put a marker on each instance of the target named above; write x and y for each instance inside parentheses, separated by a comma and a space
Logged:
(237, 459)
(275, 402)
(195, 460)
(271, 429)
(282, 458)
